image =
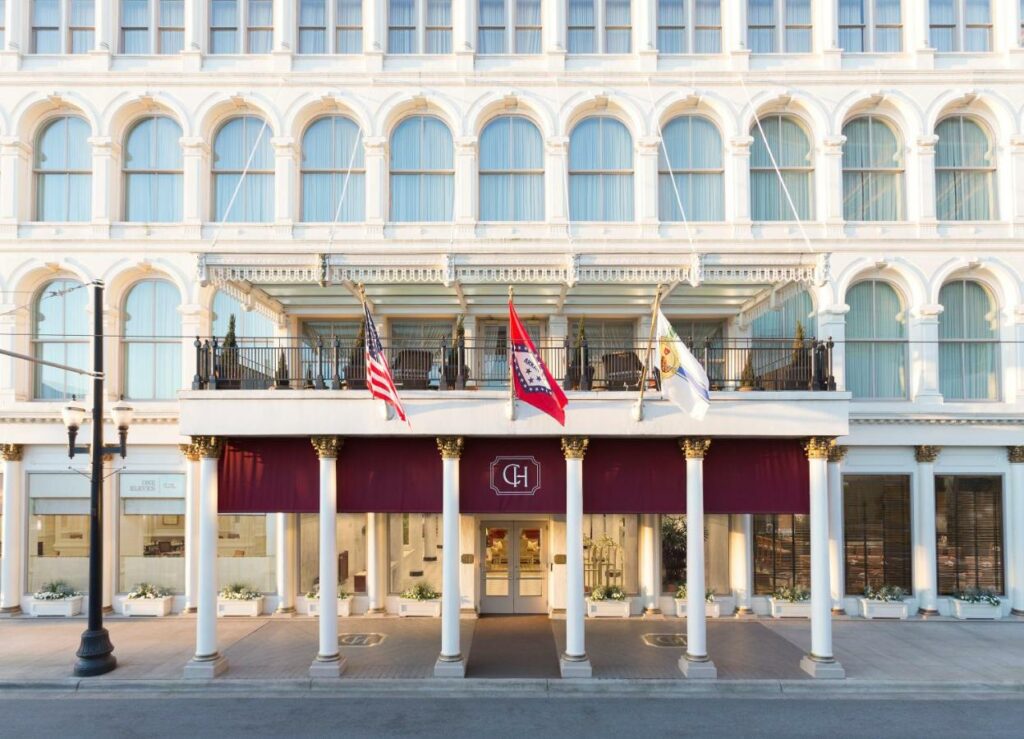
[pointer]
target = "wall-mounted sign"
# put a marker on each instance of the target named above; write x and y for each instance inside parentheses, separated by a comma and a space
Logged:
(515, 475)
(152, 485)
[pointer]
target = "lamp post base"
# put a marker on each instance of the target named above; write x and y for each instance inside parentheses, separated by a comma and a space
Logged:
(95, 654)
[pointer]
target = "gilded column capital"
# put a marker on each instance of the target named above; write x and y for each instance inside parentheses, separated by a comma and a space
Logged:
(695, 447)
(819, 447)
(208, 447)
(327, 447)
(574, 447)
(12, 452)
(837, 454)
(190, 451)
(925, 453)
(450, 446)
(1015, 454)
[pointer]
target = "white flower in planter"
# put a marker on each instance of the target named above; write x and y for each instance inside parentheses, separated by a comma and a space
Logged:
(146, 591)
(238, 591)
(56, 590)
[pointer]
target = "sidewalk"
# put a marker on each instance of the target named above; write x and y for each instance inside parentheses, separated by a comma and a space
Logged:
(759, 655)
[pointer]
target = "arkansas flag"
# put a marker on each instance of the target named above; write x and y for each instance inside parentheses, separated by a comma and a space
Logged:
(532, 382)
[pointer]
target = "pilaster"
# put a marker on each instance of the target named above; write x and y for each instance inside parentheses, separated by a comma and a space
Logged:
(14, 526)
(925, 569)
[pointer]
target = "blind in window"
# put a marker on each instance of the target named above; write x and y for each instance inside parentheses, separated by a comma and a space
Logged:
(782, 552)
(876, 530)
(969, 533)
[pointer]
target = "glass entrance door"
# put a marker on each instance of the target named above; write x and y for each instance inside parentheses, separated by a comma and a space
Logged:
(514, 567)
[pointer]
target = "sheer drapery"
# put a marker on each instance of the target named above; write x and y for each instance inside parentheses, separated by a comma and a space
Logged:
(235, 142)
(779, 25)
(876, 341)
(852, 25)
(171, 26)
(600, 171)
(675, 34)
(61, 333)
(224, 26)
(46, 27)
(422, 170)
(761, 26)
(329, 146)
(960, 25)
(491, 27)
(63, 171)
(968, 342)
(349, 30)
(82, 26)
(312, 26)
(781, 322)
(872, 172)
(152, 349)
(136, 18)
(402, 26)
(135, 26)
(618, 27)
(792, 151)
(581, 27)
(694, 157)
(153, 171)
(963, 171)
(888, 26)
(260, 36)
(528, 26)
(511, 171)
(439, 27)
(249, 325)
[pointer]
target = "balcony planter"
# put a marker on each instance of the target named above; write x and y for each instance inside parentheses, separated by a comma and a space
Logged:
(608, 601)
(790, 602)
(148, 600)
(884, 602)
(344, 604)
(976, 604)
(56, 598)
(239, 600)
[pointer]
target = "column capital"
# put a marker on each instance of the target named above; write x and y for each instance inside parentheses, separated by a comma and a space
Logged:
(833, 145)
(574, 447)
(926, 454)
(209, 447)
(837, 454)
(818, 447)
(12, 452)
(926, 144)
(1015, 454)
(450, 446)
(190, 451)
(695, 447)
(327, 447)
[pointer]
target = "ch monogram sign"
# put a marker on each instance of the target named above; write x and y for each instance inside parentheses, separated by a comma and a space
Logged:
(515, 475)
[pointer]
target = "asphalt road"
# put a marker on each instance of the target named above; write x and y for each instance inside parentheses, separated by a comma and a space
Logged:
(230, 716)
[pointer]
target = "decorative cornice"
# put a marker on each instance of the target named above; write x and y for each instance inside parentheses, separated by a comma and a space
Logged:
(55, 418)
(695, 447)
(938, 421)
(837, 453)
(450, 446)
(819, 447)
(12, 452)
(209, 447)
(574, 447)
(926, 454)
(327, 447)
(190, 451)
(1015, 454)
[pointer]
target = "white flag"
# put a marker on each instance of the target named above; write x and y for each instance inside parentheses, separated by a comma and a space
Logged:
(683, 380)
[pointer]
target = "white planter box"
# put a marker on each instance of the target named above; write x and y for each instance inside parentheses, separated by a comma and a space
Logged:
(785, 609)
(883, 609)
(713, 610)
(965, 611)
(344, 607)
(228, 607)
(148, 606)
(410, 607)
(608, 608)
(65, 607)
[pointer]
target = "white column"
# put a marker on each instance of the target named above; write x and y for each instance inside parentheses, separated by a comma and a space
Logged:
(646, 189)
(195, 32)
(830, 197)
(110, 547)
(695, 663)
(737, 180)
(105, 185)
(284, 532)
(285, 33)
(12, 28)
(328, 662)
(820, 662)
(924, 169)
(464, 33)
(650, 564)
(645, 32)
(926, 583)
(194, 153)
(207, 662)
(376, 566)
(374, 153)
(556, 181)
(554, 32)
(285, 182)
(924, 353)
(574, 662)
(15, 168)
(836, 560)
(191, 453)
(740, 561)
(11, 585)
(1016, 537)
(450, 662)
(467, 196)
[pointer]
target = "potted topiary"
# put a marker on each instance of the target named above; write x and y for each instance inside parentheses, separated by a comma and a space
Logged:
(148, 600)
(884, 602)
(56, 598)
(748, 378)
(712, 608)
(976, 603)
(239, 600)
(608, 601)
(792, 601)
(579, 373)
(313, 602)
(419, 600)
(456, 356)
(228, 376)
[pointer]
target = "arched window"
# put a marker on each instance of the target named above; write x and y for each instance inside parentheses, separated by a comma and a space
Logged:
(422, 170)
(152, 171)
(964, 165)
(968, 342)
(876, 341)
(511, 171)
(61, 333)
(600, 171)
(694, 155)
(63, 169)
(333, 171)
(240, 142)
(792, 151)
(249, 324)
(872, 172)
(152, 347)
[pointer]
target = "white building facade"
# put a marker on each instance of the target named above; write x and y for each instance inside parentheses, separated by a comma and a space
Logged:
(829, 196)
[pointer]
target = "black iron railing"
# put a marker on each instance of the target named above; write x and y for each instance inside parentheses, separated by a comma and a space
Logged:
(731, 364)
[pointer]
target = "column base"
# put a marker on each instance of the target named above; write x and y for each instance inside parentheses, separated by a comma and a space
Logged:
(108, 609)
(10, 611)
(745, 612)
(697, 669)
(838, 611)
(654, 613)
(327, 668)
(826, 669)
(575, 667)
(468, 614)
(450, 666)
(205, 668)
(288, 612)
(376, 612)
(188, 611)
(926, 612)
(1013, 612)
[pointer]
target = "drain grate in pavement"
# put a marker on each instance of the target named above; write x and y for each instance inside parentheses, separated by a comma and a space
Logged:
(360, 640)
(665, 640)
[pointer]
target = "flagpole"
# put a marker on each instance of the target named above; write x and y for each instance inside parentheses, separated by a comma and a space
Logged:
(511, 383)
(639, 411)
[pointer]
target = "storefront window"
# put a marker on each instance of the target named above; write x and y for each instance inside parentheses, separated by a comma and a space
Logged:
(876, 531)
(351, 538)
(152, 532)
(245, 551)
(969, 533)
(611, 548)
(414, 547)
(716, 553)
(782, 552)
(58, 537)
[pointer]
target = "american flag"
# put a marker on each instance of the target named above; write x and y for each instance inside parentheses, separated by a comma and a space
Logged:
(378, 374)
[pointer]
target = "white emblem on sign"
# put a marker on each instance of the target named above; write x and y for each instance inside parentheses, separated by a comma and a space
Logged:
(515, 475)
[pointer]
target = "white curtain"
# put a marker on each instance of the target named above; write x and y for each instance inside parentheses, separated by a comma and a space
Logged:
(64, 165)
(491, 25)
(888, 26)
(328, 146)
(439, 27)
(153, 164)
(60, 333)
(792, 152)
(942, 20)
(135, 27)
(851, 25)
(81, 26)
(350, 27)
(402, 27)
(876, 348)
(761, 26)
(600, 171)
(672, 26)
(963, 171)
(422, 182)
(224, 27)
(781, 322)
(172, 26)
(312, 26)
(618, 27)
(236, 140)
(968, 342)
(978, 22)
(261, 24)
(694, 158)
(152, 347)
(528, 26)
(798, 26)
(511, 171)
(872, 172)
(581, 22)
